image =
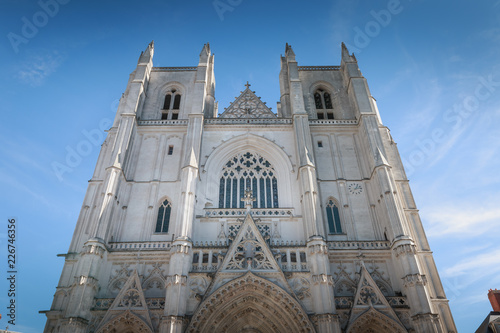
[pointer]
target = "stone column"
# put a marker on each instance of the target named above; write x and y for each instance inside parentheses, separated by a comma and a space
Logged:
(322, 286)
(85, 287)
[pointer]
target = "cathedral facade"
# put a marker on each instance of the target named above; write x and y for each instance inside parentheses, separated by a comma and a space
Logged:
(246, 220)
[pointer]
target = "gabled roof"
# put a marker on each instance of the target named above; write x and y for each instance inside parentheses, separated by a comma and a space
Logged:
(248, 105)
(249, 252)
(371, 306)
(128, 307)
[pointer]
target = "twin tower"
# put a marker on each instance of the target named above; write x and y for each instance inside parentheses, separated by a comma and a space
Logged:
(246, 220)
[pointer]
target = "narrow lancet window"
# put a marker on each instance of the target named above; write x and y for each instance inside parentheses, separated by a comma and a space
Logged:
(333, 217)
(163, 219)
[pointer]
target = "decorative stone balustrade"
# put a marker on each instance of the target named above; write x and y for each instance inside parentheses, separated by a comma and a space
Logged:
(333, 121)
(143, 246)
(241, 212)
(318, 68)
(239, 121)
(354, 245)
(173, 69)
(178, 122)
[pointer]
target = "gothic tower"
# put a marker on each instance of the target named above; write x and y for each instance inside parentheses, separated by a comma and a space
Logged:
(248, 220)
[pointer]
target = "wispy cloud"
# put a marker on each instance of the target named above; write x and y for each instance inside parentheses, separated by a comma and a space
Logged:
(489, 261)
(461, 220)
(36, 68)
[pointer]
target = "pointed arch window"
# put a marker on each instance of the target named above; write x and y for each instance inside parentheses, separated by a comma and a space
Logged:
(171, 105)
(323, 103)
(248, 171)
(333, 217)
(163, 219)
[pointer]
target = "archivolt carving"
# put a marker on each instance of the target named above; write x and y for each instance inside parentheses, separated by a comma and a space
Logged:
(125, 322)
(246, 302)
(374, 321)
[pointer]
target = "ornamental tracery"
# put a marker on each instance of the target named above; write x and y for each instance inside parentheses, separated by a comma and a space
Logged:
(248, 105)
(248, 171)
(249, 254)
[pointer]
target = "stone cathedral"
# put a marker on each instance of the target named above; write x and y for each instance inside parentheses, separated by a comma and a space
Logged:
(246, 220)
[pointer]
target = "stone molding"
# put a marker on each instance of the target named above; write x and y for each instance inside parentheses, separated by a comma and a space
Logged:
(412, 280)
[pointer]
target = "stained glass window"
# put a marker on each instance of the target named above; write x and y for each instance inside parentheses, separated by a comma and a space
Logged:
(248, 171)
(333, 217)
(163, 219)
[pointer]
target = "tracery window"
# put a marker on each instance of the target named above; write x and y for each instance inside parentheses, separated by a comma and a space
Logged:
(333, 217)
(171, 105)
(248, 171)
(163, 219)
(323, 103)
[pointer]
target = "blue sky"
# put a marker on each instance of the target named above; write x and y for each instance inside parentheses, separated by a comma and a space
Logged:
(432, 66)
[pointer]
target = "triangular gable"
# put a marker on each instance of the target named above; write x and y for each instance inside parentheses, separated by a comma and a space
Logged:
(249, 252)
(130, 301)
(368, 299)
(248, 105)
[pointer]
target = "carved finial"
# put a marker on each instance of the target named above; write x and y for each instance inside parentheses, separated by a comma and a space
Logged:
(248, 199)
(247, 85)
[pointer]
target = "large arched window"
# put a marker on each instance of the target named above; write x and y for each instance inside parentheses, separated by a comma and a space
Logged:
(248, 171)
(163, 219)
(323, 103)
(171, 105)
(333, 217)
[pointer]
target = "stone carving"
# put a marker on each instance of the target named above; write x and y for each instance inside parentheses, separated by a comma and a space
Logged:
(383, 283)
(118, 277)
(248, 105)
(125, 322)
(250, 300)
(301, 286)
(129, 311)
(370, 310)
(155, 280)
(198, 286)
(249, 250)
(344, 284)
(412, 280)
(373, 321)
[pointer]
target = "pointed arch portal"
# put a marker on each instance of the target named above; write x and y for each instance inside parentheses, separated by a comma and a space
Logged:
(125, 322)
(374, 321)
(250, 304)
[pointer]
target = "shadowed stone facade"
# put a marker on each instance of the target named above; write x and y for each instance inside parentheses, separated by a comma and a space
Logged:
(246, 220)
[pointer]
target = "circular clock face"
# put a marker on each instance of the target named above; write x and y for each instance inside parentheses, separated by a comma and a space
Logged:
(355, 188)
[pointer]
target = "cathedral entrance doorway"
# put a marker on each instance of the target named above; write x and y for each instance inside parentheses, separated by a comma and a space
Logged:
(250, 304)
